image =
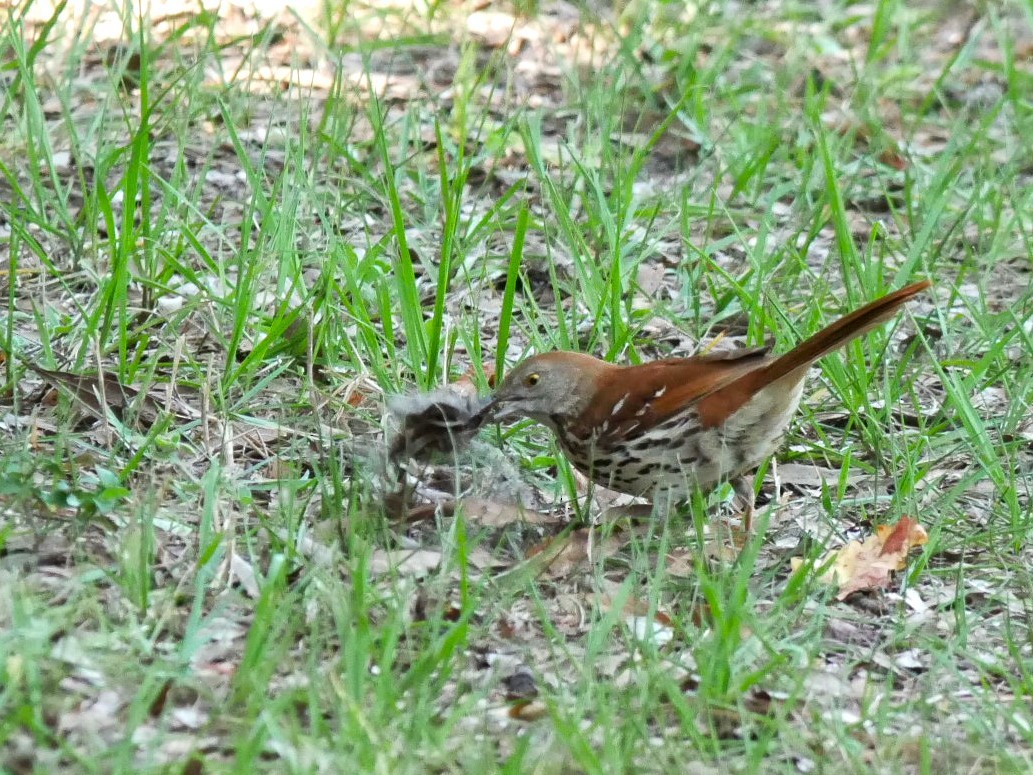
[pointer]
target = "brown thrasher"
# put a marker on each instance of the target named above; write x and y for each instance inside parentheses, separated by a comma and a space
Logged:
(659, 429)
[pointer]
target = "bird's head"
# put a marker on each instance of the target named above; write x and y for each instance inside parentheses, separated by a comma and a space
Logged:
(546, 386)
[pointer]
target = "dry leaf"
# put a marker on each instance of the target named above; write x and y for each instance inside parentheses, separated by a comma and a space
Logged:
(468, 382)
(416, 562)
(492, 513)
(531, 710)
(575, 549)
(681, 561)
(397, 508)
(99, 394)
(241, 570)
(871, 564)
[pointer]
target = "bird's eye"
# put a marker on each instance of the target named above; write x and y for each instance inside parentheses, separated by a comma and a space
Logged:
(532, 379)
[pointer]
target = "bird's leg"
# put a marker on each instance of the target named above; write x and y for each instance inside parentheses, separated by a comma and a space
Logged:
(743, 487)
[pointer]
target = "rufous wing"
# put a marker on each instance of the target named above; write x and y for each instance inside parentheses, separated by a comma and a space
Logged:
(635, 398)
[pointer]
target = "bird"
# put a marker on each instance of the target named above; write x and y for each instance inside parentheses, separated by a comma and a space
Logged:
(663, 428)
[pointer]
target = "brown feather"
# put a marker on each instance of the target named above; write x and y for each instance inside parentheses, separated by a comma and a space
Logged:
(722, 402)
(681, 380)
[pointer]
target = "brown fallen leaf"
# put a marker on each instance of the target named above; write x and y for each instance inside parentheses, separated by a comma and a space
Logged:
(892, 157)
(528, 710)
(404, 562)
(557, 556)
(492, 513)
(870, 564)
(397, 508)
(568, 552)
(157, 706)
(483, 512)
(468, 382)
(681, 561)
(100, 393)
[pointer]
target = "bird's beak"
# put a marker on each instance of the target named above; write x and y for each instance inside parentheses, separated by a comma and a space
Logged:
(496, 410)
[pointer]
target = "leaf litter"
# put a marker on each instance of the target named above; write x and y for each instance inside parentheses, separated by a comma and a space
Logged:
(869, 564)
(521, 530)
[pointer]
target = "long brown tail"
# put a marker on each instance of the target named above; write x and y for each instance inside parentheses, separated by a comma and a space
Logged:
(715, 408)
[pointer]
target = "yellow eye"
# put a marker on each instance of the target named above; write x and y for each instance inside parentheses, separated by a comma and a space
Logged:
(532, 379)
